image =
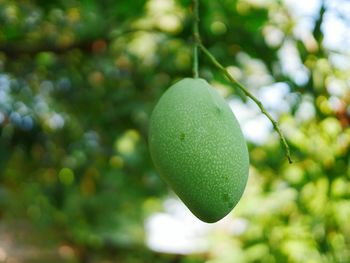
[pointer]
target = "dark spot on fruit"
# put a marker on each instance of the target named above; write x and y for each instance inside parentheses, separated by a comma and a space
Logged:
(182, 136)
(218, 110)
(225, 197)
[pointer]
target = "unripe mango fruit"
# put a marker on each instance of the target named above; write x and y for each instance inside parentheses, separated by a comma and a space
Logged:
(198, 148)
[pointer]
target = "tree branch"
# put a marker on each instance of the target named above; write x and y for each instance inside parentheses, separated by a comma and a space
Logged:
(15, 50)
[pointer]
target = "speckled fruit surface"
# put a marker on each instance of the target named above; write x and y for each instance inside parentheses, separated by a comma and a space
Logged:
(198, 148)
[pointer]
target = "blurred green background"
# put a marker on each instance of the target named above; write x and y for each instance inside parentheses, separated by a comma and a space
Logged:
(78, 81)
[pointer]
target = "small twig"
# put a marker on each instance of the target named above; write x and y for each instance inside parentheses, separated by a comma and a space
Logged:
(195, 36)
(247, 93)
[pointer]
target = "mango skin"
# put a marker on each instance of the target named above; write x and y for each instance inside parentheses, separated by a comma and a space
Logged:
(198, 148)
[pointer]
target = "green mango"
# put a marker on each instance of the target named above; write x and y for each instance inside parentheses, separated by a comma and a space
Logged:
(198, 148)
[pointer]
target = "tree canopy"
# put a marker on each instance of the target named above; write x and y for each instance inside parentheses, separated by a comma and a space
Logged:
(79, 80)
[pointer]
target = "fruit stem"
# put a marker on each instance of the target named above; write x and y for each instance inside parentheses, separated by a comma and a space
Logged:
(247, 93)
(196, 37)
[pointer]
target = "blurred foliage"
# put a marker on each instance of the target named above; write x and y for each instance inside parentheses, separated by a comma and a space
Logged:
(78, 82)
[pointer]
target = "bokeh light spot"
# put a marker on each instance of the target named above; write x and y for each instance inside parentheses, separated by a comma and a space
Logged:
(66, 176)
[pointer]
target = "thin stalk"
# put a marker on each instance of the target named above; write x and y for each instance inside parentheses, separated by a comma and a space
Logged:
(195, 36)
(247, 93)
